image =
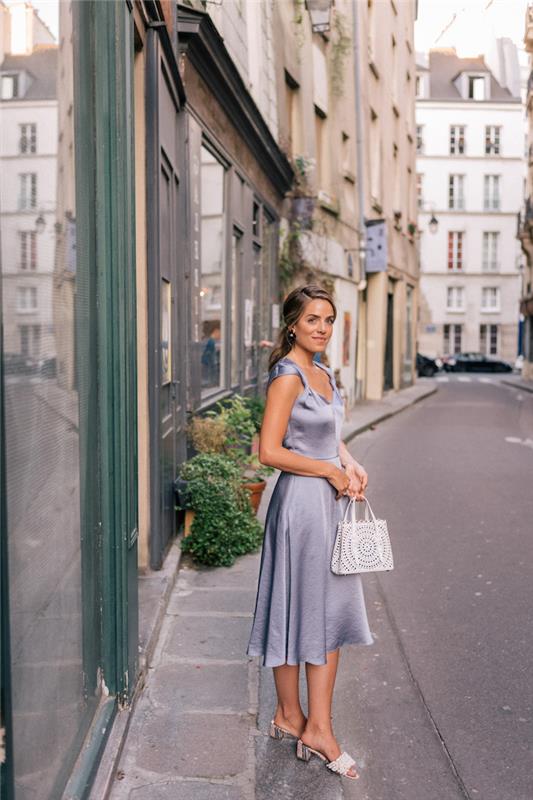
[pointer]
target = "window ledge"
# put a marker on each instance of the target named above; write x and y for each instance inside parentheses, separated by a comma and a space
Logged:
(329, 203)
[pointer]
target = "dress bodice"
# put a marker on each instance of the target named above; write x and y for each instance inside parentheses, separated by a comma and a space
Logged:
(315, 424)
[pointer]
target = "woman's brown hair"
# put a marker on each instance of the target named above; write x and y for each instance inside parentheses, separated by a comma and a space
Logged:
(293, 308)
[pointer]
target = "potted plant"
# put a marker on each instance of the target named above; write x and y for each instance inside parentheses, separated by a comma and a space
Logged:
(230, 430)
(242, 418)
(224, 525)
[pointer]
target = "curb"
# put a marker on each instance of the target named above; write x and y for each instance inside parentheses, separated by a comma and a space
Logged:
(112, 752)
(518, 386)
(388, 414)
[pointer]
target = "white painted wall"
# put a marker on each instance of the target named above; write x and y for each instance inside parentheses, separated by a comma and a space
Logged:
(44, 164)
(436, 165)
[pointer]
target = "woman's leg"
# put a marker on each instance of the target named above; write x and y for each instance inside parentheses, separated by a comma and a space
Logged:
(289, 714)
(318, 732)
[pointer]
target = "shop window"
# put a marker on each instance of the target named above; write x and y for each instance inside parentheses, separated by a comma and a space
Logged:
(236, 271)
(212, 290)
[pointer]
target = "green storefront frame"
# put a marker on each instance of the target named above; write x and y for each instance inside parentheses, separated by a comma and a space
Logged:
(106, 347)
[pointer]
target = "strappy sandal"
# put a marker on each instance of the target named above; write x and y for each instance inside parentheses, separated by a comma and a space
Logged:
(341, 765)
(280, 733)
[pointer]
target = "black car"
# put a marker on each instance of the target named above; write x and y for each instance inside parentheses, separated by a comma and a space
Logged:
(475, 362)
(18, 364)
(427, 367)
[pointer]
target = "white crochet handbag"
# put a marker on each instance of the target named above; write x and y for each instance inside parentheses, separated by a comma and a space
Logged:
(361, 545)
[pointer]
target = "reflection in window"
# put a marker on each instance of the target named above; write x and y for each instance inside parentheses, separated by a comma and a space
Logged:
(234, 315)
(41, 323)
(212, 301)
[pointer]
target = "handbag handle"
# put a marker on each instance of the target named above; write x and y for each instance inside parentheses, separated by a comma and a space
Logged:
(351, 506)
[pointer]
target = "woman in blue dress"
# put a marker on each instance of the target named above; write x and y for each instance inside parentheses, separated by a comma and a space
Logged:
(304, 612)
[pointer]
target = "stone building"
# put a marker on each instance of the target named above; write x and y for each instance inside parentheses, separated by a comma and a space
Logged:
(390, 301)
(352, 214)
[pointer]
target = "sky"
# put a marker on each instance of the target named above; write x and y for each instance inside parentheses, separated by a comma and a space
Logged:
(468, 25)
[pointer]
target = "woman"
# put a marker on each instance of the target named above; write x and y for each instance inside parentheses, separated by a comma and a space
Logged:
(304, 612)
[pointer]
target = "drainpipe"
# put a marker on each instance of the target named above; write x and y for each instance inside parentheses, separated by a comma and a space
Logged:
(360, 167)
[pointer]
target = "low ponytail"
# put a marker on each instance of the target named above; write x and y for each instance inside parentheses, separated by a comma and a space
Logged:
(293, 308)
(281, 347)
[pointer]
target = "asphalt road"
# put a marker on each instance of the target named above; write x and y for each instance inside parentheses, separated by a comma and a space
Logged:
(441, 706)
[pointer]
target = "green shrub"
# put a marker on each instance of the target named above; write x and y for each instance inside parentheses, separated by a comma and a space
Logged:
(256, 405)
(224, 525)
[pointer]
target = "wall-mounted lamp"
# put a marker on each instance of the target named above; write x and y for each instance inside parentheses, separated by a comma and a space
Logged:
(433, 224)
(319, 11)
(40, 223)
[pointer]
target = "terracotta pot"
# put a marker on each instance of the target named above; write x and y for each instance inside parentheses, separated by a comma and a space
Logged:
(256, 490)
(189, 516)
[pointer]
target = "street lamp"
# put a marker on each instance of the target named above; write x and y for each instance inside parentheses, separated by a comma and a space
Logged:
(40, 223)
(319, 11)
(433, 224)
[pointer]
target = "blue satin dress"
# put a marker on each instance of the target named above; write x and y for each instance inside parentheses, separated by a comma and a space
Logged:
(303, 610)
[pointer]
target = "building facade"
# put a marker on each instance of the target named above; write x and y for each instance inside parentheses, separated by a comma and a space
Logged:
(388, 319)
(525, 225)
(470, 174)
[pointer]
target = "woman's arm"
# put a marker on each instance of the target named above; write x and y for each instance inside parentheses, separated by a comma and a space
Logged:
(355, 471)
(281, 396)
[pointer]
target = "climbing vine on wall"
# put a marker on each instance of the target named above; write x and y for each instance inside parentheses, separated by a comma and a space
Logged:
(298, 24)
(340, 48)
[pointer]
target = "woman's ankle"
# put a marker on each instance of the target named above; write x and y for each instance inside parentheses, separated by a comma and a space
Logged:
(292, 714)
(320, 728)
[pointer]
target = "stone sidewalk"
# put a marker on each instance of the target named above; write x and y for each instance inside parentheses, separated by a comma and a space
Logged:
(198, 722)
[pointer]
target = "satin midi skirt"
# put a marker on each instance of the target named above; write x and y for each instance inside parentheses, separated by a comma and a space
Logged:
(303, 610)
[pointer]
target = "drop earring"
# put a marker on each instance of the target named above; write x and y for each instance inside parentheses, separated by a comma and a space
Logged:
(291, 336)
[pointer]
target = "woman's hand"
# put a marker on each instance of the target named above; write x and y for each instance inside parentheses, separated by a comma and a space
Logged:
(340, 481)
(358, 480)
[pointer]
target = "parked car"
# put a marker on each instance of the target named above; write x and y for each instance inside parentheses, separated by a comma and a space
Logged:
(475, 362)
(18, 364)
(427, 367)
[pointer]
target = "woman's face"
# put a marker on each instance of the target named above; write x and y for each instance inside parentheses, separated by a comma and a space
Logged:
(314, 328)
